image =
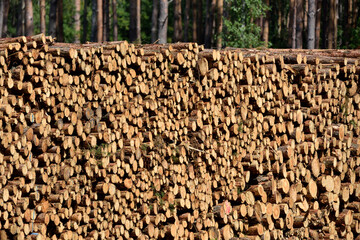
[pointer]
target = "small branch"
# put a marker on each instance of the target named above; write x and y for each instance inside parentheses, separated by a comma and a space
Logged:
(195, 149)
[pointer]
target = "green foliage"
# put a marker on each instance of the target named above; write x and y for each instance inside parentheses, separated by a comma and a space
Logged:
(241, 128)
(146, 11)
(353, 123)
(159, 194)
(278, 24)
(68, 24)
(123, 20)
(240, 28)
(354, 40)
(100, 151)
(144, 147)
(13, 18)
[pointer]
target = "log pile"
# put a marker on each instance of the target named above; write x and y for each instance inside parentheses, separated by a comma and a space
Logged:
(117, 141)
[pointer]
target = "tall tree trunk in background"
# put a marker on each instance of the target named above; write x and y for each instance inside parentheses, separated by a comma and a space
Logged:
(186, 20)
(318, 24)
(292, 25)
(281, 20)
(311, 24)
(266, 25)
(219, 27)
(42, 16)
(115, 26)
(349, 8)
(325, 23)
(84, 22)
(138, 21)
(177, 21)
(1, 18)
(154, 20)
(5, 18)
(336, 7)
(100, 20)
(77, 20)
(29, 18)
(163, 21)
(60, 21)
(355, 13)
(23, 17)
(210, 7)
(299, 23)
(200, 24)
(19, 18)
(106, 16)
(52, 18)
(346, 17)
(135, 21)
(332, 25)
(93, 37)
(305, 21)
(132, 27)
(195, 21)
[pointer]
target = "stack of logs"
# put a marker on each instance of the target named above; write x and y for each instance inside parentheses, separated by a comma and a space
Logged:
(117, 141)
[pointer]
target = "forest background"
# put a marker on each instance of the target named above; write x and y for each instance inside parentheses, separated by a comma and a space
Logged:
(214, 23)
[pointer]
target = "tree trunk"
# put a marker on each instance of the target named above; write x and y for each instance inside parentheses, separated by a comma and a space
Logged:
(52, 18)
(19, 19)
(1, 18)
(299, 23)
(201, 35)
(354, 13)
(346, 17)
(60, 21)
(318, 24)
(135, 21)
(325, 21)
(115, 26)
(77, 20)
(282, 19)
(332, 25)
(210, 6)
(93, 37)
(195, 21)
(84, 22)
(177, 21)
(266, 25)
(186, 20)
(311, 24)
(219, 28)
(99, 20)
(42, 16)
(292, 25)
(5, 18)
(23, 17)
(106, 25)
(207, 37)
(138, 21)
(305, 21)
(336, 23)
(163, 21)
(132, 27)
(154, 20)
